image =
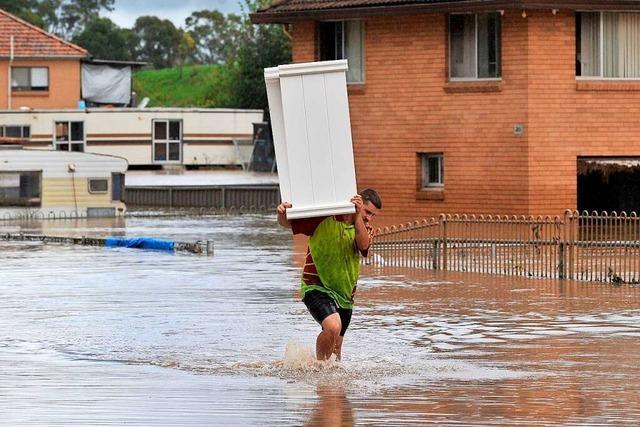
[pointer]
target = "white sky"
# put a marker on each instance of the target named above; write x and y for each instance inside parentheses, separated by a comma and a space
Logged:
(126, 12)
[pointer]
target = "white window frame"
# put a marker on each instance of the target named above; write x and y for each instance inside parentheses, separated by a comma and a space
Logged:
(166, 141)
(601, 53)
(425, 184)
(69, 142)
(476, 78)
(30, 88)
(362, 47)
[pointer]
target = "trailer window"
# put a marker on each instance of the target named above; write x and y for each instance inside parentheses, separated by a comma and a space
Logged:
(22, 188)
(98, 185)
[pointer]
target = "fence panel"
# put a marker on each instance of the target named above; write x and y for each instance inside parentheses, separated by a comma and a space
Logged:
(582, 246)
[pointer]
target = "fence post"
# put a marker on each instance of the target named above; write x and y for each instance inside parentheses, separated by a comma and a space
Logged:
(569, 241)
(436, 253)
(443, 225)
(170, 197)
(561, 263)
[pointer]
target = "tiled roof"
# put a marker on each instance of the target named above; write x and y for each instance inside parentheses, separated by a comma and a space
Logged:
(283, 11)
(30, 41)
(307, 5)
(286, 10)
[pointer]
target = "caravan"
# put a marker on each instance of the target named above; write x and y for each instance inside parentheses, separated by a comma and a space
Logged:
(49, 184)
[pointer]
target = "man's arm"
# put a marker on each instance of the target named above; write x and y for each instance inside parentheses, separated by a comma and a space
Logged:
(363, 239)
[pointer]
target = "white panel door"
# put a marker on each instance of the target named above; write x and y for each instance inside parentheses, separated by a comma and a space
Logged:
(310, 118)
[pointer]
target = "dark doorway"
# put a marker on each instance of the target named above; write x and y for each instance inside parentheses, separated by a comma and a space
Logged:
(606, 184)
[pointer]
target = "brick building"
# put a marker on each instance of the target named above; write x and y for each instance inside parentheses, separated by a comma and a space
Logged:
(511, 107)
(37, 69)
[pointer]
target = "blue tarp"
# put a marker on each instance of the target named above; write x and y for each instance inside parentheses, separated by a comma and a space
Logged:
(139, 242)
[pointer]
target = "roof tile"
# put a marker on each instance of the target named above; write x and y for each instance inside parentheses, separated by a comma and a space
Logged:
(307, 5)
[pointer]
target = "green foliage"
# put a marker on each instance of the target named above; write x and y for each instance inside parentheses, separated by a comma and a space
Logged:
(262, 46)
(38, 12)
(105, 40)
(202, 86)
(216, 35)
(159, 40)
(76, 15)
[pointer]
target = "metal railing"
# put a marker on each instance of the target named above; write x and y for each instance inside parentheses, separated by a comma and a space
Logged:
(583, 246)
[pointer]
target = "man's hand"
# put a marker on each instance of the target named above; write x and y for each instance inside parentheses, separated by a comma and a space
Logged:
(357, 200)
(282, 214)
(282, 208)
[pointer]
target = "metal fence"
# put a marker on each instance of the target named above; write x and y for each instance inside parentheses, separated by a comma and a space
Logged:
(240, 198)
(583, 246)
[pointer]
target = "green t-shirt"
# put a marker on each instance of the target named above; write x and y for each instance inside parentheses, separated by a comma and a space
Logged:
(337, 259)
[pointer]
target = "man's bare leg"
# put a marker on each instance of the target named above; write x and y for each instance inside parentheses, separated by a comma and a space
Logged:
(326, 341)
(337, 348)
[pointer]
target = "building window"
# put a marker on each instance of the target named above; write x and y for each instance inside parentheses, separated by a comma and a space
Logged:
(167, 140)
(432, 165)
(17, 131)
(474, 46)
(608, 45)
(30, 78)
(69, 136)
(117, 187)
(98, 185)
(20, 189)
(343, 40)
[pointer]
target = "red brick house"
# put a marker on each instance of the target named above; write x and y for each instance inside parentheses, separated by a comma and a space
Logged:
(514, 107)
(37, 69)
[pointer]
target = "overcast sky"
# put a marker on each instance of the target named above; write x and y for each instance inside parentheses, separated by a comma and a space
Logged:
(126, 12)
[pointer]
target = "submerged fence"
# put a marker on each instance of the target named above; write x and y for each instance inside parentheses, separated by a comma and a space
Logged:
(242, 198)
(583, 246)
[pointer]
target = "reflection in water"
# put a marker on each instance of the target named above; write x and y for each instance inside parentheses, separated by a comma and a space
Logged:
(98, 336)
(333, 408)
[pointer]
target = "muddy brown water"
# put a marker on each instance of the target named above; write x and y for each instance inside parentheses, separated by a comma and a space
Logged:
(97, 336)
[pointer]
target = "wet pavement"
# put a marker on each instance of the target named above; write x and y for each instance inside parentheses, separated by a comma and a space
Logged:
(97, 336)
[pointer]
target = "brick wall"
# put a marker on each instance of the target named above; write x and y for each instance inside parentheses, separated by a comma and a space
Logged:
(406, 106)
(569, 118)
(64, 85)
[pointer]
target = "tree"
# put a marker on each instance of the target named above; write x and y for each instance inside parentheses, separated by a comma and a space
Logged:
(37, 12)
(186, 47)
(105, 40)
(215, 34)
(159, 41)
(75, 15)
(261, 46)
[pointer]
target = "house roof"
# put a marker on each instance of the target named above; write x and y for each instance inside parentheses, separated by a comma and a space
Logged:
(286, 11)
(30, 41)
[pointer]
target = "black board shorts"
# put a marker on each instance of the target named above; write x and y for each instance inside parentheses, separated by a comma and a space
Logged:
(321, 306)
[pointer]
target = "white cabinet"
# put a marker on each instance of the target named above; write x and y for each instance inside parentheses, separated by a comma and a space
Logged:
(312, 137)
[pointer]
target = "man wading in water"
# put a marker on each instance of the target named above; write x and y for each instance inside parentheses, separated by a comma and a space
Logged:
(332, 266)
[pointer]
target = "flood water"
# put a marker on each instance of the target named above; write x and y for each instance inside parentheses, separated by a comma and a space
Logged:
(97, 336)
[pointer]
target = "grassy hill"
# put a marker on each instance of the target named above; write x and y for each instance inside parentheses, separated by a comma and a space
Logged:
(198, 86)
